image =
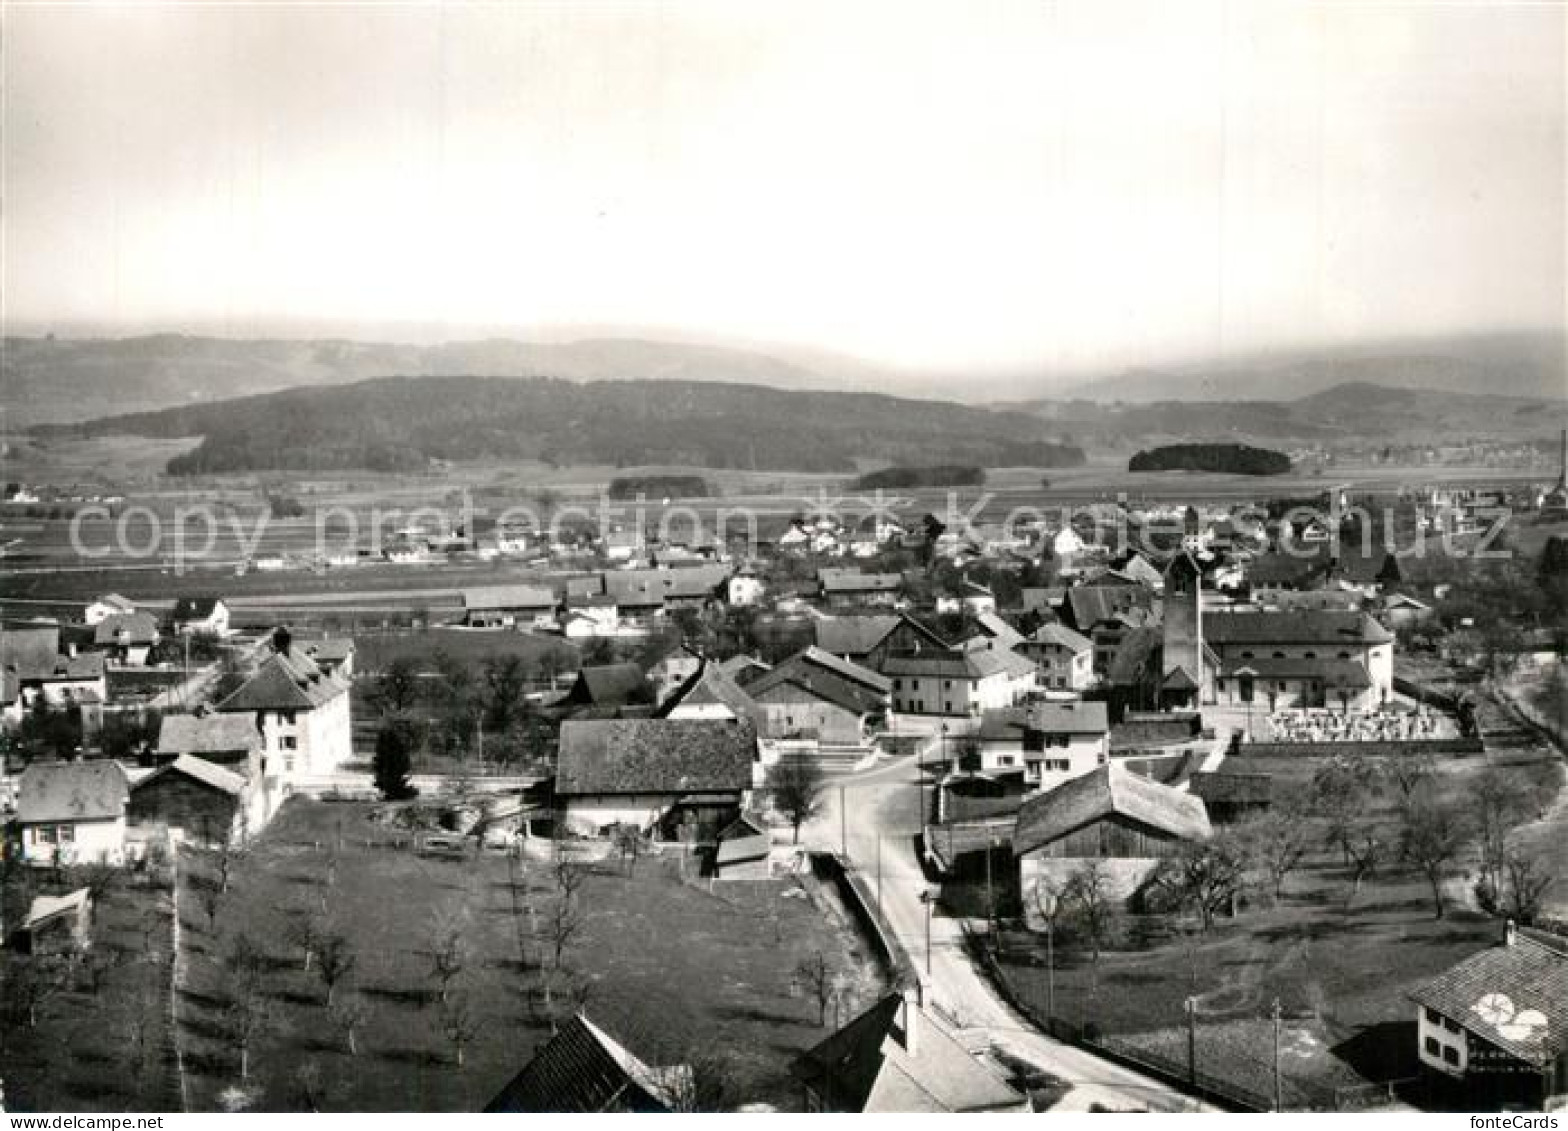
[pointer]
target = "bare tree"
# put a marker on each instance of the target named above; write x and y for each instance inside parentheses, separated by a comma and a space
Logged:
(250, 1017)
(1207, 876)
(1526, 883)
(1089, 894)
(349, 1013)
(244, 963)
(303, 929)
(209, 897)
(628, 840)
(448, 949)
(794, 785)
(335, 960)
(29, 983)
(460, 1023)
(1276, 842)
(819, 980)
(1364, 848)
(1433, 834)
(1499, 802)
(700, 1078)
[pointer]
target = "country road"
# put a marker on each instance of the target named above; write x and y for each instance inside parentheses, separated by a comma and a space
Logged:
(883, 805)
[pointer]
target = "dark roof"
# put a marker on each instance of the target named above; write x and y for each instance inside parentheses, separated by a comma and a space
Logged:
(969, 663)
(1056, 634)
(653, 586)
(655, 756)
(582, 1069)
(1514, 997)
(72, 791)
(33, 652)
(1305, 565)
(607, 684)
(866, 1066)
(817, 674)
(1064, 717)
(1316, 626)
(853, 636)
(1110, 789)
(194, 608)
(292, 682)
(139, 628)
(1087, 605)
(207, 734)
(198, 770)
(853, 581)
(743, 669)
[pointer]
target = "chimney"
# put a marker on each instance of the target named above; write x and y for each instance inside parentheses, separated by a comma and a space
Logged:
(909, 1016)
(1510, 933)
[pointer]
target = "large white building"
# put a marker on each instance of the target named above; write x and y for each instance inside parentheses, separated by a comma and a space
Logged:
(957, 686)
(302, 713)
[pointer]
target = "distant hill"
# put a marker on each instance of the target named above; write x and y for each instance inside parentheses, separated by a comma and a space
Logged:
(1234, 459)
(400, 423)
(44, 380)
(1350, 412)
(1521, 364)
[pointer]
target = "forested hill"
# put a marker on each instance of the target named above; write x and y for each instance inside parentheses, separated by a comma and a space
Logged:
(398, 423)
(1237, 459)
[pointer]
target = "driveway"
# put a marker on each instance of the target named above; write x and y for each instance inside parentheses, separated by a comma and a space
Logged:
(882, 808)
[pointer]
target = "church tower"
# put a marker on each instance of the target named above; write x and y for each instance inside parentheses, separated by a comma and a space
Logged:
(1181, 670)
(1555, 503)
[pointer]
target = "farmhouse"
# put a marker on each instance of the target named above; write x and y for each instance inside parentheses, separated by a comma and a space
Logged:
(508, 606)
(1111, 815)
(609, 685)
(1498, 1021)
(848, 588)
(708, 693)
(869, 640)
(31, 667)
(896, 1057)
(208, 803)
(582, 1070)
(816, 696)
(1046, 743)
(126, 637)
(206, 615)
(335, 657)
(301, 711)
(591, 615)
(656, 774)
(73, 812)
(226, 740)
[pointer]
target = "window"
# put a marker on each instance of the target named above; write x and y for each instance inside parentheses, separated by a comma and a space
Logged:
(1279, 655)
(1056, 765)
(1344, 655)
(1433, 1016)
(1219, 685)
(1432, 1047)
(1005, 760)
(1450, 1054)
(67, 833)
(1281, 685)
(1451, 1026)
(289, 742)
(1246, 655)
(1309, 655)
(947, 685)
(898, 685)
(286, 718)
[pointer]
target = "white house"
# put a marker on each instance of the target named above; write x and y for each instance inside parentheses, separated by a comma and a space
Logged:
(1065, 658)
(958, 684)
(207, 615)
(73, 812)
(745, 590)
(110, 604)
(1047, 743)
(302, 712)
(508, 606)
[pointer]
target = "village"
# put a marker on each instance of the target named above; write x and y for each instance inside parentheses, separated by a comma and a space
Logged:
(1136, 811)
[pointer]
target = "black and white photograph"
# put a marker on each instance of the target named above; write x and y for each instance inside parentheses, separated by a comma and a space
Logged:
(783, 556)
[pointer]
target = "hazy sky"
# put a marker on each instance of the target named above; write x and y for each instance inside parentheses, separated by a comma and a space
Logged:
(992, 184)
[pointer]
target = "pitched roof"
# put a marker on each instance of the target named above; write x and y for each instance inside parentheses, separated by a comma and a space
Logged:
(607, 684)
(139, 628)
(816, 674)
(971, 663)
(509, 597)
(998, 629)
(47, 907)
(846, 669)
(853, 581)
(581, 1070)
(330, 651)
(1087, 605)
(285, 683)
(654, 586)
(1316, 626)
(1132, 656)
(866, 1067)
(194, 608)
(115, 601)
(710, 685)
(207, 734)
(853, 636)
(655, 756)
(200, 770)
(1060, 636)
(72, 791)
(743, 669)
(1064, 717)
(1108, 790)
(1514, 997)
(34, 653)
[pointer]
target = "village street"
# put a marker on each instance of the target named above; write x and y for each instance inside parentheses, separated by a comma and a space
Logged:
(883, 806)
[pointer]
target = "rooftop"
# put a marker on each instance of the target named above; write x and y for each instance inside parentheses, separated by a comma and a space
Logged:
(617, 756)
(1111, 789)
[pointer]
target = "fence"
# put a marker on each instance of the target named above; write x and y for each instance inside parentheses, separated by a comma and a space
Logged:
(1411, 747)
(863, 905)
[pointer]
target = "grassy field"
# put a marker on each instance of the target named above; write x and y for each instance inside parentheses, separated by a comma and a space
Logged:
(373, 651)
(673, 969)
(103, 1048)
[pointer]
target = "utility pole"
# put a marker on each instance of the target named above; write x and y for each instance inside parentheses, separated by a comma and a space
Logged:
(1279, 1088)
(990, 897)
(843, 825)
(1192, 1040)
(879, 871)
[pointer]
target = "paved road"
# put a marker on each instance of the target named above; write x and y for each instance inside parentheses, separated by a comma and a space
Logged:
(883, 804)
